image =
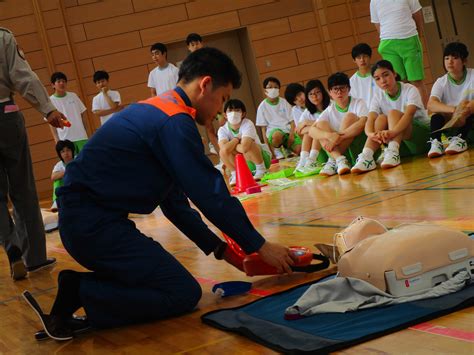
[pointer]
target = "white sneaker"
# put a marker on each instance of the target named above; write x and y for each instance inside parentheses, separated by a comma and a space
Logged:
(456, 145)
(437, 148)
(259, 174)
(212, 149)
(329, 169)
(391, 159)
(363, 164)
(343, 166)
(54, 207)
(278, 153)
(299, 167)
(232, 179)
(381, 156)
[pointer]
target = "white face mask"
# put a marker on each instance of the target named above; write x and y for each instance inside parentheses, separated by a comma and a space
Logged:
(234, 117)
(272, 93)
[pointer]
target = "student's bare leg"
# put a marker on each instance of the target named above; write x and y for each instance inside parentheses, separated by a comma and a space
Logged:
(277, 139)
(380, 124)
(254, 154)
(228, 157)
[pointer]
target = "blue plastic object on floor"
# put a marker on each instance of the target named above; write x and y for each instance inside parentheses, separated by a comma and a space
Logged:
(231, 288)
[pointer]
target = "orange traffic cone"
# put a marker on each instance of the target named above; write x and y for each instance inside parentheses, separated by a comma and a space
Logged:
(244, 177)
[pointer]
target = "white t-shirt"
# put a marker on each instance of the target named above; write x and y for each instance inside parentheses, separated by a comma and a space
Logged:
(163, 79)
(59, 167)
(72, 107)
(408, 95)
(363, 87)
(100, 103)
(274, 116)
(334, 115)
(395, 17)
(308, 116)
(450, 93)
(296, 113)
(246, 129)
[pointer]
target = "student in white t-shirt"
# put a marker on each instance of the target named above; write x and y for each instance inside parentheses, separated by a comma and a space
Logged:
(65, 150)
(107, 101)
(400, 25)
(71, 106)
(452, 94)
(339, 126)
(362, 83)
(397, 118)
(294, 94)
(165, 76)
(238, 135)
(275, 120)
(317, 100)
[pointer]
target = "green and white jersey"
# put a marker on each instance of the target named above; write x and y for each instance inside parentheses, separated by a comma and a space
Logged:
(450, 92)
(334, 114)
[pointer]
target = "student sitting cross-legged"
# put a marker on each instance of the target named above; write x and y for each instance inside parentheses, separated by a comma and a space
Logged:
(396, 117)
(239, 135)
(339, 126)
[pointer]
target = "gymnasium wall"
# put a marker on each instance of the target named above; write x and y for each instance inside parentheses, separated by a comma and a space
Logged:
(294, 40)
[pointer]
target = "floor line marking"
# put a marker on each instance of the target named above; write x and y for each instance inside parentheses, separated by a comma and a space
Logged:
(445, 331)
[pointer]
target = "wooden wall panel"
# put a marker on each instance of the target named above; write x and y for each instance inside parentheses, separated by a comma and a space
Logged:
(295, 40)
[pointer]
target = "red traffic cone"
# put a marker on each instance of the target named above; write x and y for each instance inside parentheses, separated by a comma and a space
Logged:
(243, 175)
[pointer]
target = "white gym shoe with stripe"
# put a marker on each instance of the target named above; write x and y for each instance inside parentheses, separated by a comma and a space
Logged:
(329, 169)
(343, 166)
(456, 145)
(436, 149)
(391, 159)
(363, 164)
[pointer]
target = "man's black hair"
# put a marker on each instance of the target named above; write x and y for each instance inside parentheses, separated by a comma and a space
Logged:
(159, 47)
(235, 104)
(212, 62)
(193, 37)
(60, 145)
(272, 79)
(291, 91)
(338, 78)
(58, 76)
(99, 75)
(456, 49)
(312, 108)
(361, 48)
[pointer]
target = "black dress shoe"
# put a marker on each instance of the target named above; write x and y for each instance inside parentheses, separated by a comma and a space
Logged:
(17, 267)
(47, 263)
(54, 326)
(78, 325)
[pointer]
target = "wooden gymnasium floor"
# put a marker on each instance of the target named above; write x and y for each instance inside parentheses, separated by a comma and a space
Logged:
(439, 191)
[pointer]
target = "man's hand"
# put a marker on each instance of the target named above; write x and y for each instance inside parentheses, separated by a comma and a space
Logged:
(56, 119)
(277, 256)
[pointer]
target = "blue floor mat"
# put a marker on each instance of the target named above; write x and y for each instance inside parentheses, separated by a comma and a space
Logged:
(263, 321)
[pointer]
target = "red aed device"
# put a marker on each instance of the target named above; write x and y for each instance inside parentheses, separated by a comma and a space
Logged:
(253, 264)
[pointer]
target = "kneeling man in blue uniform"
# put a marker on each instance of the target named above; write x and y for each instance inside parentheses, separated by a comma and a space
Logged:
(148, 155)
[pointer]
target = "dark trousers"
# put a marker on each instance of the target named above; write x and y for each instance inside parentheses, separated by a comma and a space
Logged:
(438, 121)
(133, 279)
(26, 229)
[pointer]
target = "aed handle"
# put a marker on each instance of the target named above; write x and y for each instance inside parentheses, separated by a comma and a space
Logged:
(313, 267)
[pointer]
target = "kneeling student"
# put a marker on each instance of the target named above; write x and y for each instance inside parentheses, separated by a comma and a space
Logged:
(239, 135)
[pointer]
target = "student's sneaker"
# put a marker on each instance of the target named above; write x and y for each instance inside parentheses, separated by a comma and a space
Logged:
(381, 156)
(343, 166)
(456, 145)
(310, 168)
(232, 179)
(391, 159)
(437, 148)
(363, 164)
(278, 153)
(259, 174)
(212, 149)
(54, 207)
(329, 169)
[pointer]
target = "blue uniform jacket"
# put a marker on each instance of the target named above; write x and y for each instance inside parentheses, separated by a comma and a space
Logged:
(144, 157)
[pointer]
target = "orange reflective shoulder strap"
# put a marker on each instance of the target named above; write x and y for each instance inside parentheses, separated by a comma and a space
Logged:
(170, 103)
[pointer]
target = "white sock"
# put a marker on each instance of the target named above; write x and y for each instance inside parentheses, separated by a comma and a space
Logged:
(313, 154)
(369, 153)
(303, 157)
(342, 157)
(260, 167)
(392, 145)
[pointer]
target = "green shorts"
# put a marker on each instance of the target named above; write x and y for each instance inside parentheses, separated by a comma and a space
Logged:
(296, 141)
(267, 160)
(352, 152)
(406, 56)
(418, 143)
(78, 145)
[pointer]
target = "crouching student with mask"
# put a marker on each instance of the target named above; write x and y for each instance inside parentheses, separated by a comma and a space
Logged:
(238, 135)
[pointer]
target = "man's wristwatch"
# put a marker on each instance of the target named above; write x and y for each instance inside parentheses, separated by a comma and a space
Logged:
(220, 250)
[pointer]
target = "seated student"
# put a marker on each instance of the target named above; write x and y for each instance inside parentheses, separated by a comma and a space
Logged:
(294, 94)
(239, 135)
(165, 76)
(452, 94)
(396, 114)
(275, 120)
(317, 100)
(339, 125)
(65, 150)
(362, 83)
(107, 101)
